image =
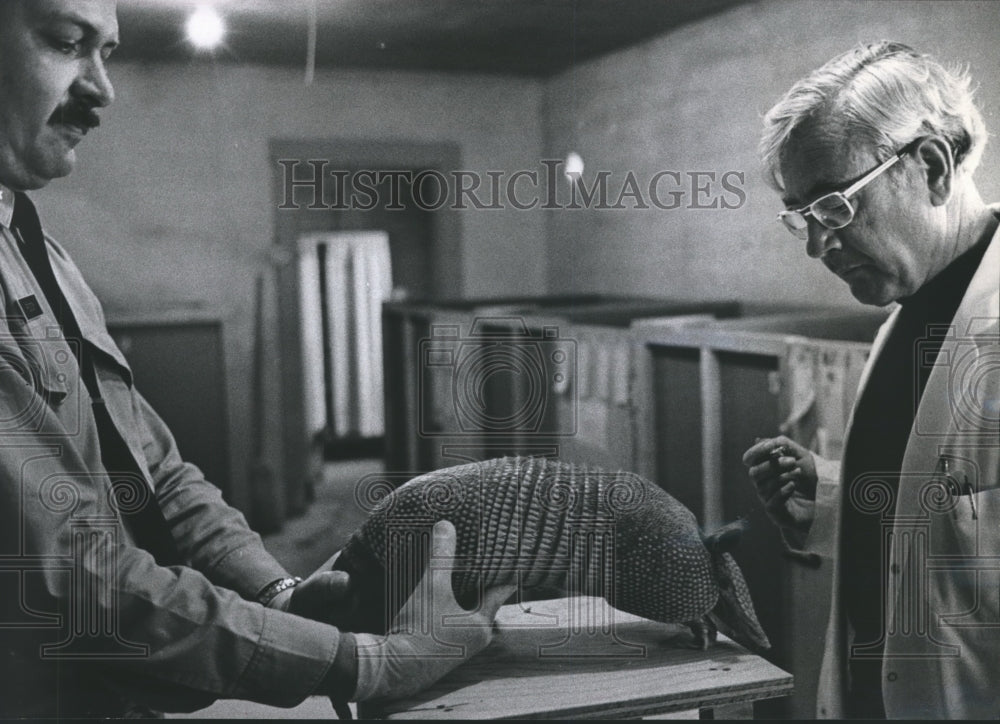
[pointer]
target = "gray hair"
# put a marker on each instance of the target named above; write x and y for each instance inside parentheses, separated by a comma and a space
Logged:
(882, 94)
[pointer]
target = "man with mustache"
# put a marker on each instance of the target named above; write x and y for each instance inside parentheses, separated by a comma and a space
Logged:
(873, 155)
(127, 585)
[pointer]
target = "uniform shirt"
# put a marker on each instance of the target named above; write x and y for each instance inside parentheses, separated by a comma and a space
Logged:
(92, 625)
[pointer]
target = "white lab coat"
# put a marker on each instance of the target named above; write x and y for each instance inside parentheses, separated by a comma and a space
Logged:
(942, 649)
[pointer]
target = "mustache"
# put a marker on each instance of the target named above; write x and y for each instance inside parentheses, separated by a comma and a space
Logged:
(77, 113)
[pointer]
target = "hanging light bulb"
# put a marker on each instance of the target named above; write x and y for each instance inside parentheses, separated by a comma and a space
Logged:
(205, 28)
(574, 166)
(311, 44)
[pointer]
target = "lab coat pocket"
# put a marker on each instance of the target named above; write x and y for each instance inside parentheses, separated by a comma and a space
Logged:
(977, 603)
(976, 522)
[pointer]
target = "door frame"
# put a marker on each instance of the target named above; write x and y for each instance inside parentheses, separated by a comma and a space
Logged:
(342, 154)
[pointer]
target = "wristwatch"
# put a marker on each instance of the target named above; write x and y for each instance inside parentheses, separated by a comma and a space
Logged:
(272, 589)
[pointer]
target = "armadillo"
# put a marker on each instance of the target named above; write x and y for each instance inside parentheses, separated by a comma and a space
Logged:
(552, 526)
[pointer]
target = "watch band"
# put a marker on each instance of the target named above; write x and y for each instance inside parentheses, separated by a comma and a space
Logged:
(272, 589)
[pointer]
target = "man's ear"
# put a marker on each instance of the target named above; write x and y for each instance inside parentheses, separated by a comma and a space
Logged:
(935, 154)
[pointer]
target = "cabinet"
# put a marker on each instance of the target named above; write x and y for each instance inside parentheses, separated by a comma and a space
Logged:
(545, 376)
(178, 368)
(704, 394)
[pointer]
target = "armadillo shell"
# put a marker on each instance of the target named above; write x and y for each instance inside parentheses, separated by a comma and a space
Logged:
(549, 525)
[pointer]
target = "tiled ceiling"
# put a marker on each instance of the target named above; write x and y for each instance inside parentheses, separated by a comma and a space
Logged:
(517, 37)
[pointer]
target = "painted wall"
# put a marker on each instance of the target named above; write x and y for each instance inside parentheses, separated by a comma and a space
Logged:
(691, 101)
(170, 208)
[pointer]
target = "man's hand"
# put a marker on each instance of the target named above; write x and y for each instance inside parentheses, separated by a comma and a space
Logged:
(432, 633)
(784, 474)
(324, 596)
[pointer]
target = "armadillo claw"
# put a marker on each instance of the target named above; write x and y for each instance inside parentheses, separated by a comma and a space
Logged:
(704, 633)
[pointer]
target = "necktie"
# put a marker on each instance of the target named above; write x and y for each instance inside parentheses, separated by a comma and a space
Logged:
(145, 519)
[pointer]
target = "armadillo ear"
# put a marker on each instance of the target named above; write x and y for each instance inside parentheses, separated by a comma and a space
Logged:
(734, 613)
(727, 537)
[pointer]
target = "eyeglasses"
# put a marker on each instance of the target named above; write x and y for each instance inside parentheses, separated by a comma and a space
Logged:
(835, 210)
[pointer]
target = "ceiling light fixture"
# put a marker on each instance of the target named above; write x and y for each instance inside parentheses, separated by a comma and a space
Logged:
(574, 166)
(205, 28)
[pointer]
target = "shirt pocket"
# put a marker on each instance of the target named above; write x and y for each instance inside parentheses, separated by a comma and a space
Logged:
(35, 373)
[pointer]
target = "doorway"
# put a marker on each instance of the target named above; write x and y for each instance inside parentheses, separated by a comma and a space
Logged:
(425, 259)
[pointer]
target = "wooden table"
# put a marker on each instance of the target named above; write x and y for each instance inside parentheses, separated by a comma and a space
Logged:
(579, 658)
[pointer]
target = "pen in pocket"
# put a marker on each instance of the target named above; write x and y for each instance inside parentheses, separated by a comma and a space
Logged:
(972, 498)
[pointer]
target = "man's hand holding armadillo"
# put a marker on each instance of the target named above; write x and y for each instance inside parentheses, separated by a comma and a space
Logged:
(324, 596)
(431, 635)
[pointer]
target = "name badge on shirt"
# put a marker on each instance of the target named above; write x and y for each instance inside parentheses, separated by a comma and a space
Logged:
(29, 307)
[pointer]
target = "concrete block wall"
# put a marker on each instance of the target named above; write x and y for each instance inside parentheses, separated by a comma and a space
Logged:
(691, 102)
(170, 208)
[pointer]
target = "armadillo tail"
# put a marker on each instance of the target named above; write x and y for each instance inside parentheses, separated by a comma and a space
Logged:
(734, 612)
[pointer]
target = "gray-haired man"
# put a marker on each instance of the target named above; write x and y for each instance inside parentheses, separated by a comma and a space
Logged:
(874, 154)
